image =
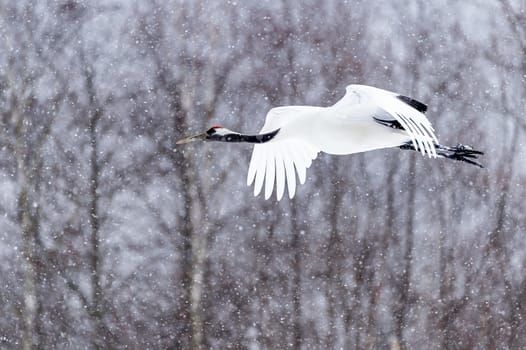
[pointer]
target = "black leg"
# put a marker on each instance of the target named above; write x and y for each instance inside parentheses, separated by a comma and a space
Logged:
(460, 152)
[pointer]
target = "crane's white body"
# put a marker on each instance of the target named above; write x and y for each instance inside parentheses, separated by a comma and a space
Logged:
(343, 128)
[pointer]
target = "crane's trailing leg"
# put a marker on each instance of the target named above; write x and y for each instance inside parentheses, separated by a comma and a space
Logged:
(460, 152)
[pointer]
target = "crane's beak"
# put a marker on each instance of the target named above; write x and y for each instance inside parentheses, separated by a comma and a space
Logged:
(198, 137)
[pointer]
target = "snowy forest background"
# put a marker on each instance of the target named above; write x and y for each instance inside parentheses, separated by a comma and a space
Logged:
(113, 237)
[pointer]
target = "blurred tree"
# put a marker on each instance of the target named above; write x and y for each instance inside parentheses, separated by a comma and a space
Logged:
(191, 80)
(114, 237)
(28, 116)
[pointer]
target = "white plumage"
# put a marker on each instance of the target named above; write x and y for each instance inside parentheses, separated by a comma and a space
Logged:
(365, 119)
(343, 128)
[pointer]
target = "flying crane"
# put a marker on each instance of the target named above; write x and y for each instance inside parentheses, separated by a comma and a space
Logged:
(365, 119)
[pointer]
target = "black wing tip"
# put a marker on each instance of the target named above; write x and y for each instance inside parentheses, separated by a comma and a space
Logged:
(395, 124)
(419, 106)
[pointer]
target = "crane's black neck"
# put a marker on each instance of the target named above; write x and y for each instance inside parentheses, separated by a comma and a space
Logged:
(260, 138)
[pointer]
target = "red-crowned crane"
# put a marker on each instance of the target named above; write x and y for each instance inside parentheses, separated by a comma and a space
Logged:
(365, 119)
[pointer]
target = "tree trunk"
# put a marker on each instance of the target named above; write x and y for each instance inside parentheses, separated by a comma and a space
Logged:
(30, 298)
(405, 279)
(297, 336)
(96, 306)
(94, 223)
(193, 249)
(25, 221)
(196, 290)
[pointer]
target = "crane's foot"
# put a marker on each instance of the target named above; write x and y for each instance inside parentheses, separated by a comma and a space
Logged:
(461, 153)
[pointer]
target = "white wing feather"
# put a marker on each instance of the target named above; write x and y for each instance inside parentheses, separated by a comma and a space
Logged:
(414, 122)
(288, 162)
(280, 176)
(273, 163)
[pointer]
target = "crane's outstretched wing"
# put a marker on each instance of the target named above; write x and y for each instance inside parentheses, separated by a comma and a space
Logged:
(274, 162)
(277, 161)
(407, 112)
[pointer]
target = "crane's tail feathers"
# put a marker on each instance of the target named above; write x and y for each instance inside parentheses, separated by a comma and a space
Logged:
(462, 153)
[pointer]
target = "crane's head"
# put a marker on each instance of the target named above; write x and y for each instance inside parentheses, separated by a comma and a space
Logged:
(215, 133)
